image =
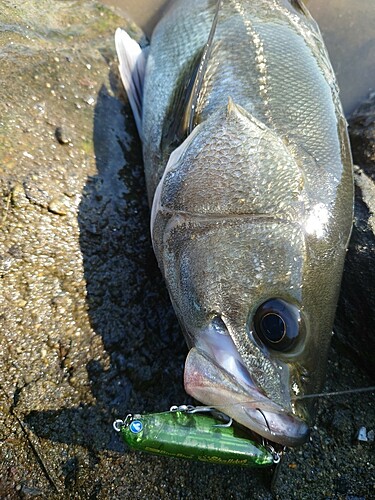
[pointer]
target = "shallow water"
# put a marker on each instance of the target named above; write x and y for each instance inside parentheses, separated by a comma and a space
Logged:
(348, 28)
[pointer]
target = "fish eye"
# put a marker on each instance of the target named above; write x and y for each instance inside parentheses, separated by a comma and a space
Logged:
(277, 324)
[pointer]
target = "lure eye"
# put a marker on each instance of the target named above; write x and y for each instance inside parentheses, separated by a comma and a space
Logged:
(277, 324)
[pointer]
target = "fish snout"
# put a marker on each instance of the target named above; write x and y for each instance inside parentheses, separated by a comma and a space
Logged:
(212, 385)
(280, 427)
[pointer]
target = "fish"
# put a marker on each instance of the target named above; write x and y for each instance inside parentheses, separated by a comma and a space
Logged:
(250, 182)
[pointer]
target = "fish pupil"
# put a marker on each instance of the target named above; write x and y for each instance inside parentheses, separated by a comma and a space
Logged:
(277, 324)
(273, 327)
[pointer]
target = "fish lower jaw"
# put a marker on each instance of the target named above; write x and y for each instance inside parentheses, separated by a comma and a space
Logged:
(213, 386)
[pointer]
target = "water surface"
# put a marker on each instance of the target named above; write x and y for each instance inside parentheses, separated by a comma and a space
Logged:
(348, 28)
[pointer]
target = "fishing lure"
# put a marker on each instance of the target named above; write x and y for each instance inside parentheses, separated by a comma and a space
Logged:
(194, 433)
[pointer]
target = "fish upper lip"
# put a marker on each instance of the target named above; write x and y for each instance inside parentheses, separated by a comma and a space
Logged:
(209, 383)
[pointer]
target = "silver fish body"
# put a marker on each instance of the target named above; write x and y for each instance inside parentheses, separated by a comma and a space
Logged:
(252, 212)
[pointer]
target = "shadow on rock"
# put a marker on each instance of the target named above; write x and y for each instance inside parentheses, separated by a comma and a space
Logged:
(142, 352)
(355, 317)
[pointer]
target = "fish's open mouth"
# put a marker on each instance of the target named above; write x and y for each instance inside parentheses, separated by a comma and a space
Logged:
(213, 385)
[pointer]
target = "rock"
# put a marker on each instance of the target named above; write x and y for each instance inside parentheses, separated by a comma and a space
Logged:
(62, 135)
(61, 156)
(355, 318)
(362, 135)
(342, 423)
(59, 206)
(362, 434)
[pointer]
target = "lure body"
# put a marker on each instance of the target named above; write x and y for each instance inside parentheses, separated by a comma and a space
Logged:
(195, 437)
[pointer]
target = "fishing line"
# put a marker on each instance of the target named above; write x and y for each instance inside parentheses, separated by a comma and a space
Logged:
(254, 401)
(335, 393)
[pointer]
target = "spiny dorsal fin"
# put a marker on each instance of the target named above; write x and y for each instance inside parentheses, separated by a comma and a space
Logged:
(182, 110)
(175, 126)
(191, 109)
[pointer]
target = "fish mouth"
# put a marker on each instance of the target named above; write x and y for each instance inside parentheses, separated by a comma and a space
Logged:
(238, 397)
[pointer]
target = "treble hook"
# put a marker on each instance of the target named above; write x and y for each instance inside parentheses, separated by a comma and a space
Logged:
(202, 409)
(211, 409)
(263, 415)
(228, 424)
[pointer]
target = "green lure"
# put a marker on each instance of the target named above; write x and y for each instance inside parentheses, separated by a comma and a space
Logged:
(184, 433)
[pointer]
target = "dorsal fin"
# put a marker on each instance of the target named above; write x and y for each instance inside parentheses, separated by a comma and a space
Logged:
(197, 87)
(175, 126)
(183, 106)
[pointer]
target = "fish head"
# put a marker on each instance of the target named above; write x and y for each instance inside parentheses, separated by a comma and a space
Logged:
(254, 292)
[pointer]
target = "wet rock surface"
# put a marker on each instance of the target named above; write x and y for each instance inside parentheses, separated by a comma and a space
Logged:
(356, 309)
(87, 332)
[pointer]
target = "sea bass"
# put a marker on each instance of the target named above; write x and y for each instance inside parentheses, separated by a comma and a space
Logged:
(249, 175)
